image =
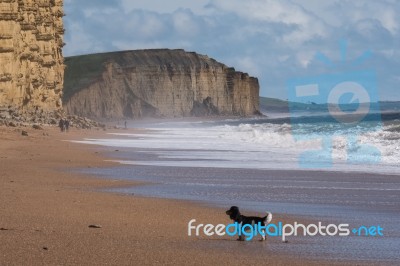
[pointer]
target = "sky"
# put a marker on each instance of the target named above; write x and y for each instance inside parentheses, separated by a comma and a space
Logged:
(275, 41)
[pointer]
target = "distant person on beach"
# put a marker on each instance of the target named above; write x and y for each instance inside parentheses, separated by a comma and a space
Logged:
(61, 125)
(66, 123)
(126, 127)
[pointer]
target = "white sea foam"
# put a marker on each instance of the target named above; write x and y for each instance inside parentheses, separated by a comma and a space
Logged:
(265, 146)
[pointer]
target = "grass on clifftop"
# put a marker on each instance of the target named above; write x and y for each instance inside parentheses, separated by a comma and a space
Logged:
(82, 71)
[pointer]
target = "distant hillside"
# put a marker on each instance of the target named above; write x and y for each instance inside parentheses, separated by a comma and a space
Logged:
(156, 83)
(277, 105)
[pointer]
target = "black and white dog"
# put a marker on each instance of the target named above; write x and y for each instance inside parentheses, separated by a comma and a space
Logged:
(236, 216)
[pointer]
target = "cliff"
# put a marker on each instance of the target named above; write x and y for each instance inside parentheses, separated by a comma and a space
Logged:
(31, 62)
(157, 83)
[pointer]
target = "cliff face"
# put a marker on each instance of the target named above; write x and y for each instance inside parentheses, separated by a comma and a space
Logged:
(158, 83)
(31, 62)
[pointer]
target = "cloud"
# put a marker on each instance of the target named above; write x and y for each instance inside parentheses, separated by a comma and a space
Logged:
(275, 12)
(273, 40)
(184, 23)
(164, 6)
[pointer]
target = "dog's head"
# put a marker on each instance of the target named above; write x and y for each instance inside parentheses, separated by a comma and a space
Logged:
(233, 212)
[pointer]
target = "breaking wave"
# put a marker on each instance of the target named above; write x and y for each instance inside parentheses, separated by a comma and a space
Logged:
(366, 147)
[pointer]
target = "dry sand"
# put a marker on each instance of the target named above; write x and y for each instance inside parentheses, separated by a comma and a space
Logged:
(46, 210)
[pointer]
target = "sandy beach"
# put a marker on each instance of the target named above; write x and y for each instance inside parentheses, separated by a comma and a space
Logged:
(46, 211)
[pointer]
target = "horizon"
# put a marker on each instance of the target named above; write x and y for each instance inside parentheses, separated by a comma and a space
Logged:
(286, 100)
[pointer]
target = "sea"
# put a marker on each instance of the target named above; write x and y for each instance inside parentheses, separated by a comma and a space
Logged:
(304, 165)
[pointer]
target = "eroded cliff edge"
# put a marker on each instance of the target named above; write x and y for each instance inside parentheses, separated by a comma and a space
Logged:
(31, 61)
(156, 83)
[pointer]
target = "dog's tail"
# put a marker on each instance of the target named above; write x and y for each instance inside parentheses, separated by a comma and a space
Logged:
(268, 218)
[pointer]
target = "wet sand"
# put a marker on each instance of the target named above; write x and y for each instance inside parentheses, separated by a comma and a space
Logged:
(357, 199)
(46, 210)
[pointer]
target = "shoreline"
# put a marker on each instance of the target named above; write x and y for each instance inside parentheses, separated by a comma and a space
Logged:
(46, 213)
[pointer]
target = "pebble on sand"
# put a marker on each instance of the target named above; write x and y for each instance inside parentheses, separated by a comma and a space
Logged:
(94, 226)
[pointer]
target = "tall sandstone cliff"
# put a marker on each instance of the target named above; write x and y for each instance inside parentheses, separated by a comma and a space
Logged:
(31, 62)
(157, 83)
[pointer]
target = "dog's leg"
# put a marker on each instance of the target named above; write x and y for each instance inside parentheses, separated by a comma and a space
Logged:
(241, 237)
(263, 234)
